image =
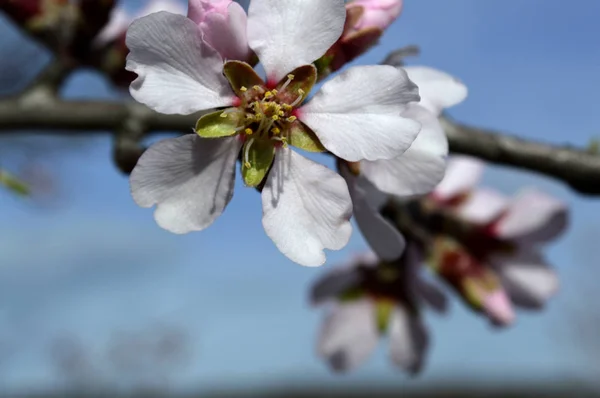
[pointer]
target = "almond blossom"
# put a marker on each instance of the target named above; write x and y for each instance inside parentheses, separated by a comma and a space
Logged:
(415, 172)
(505, 240)
(368, 299)
(355, 116)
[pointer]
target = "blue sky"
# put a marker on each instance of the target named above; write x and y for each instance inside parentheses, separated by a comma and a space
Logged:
(95, 263)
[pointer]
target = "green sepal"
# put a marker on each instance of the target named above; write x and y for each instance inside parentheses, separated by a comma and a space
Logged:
(323, 66)
(351, 294)
(305, 77)
(383, 313)
(219, 124)
(301, 136)
(240, 74)
(260, 155)
(14, 184)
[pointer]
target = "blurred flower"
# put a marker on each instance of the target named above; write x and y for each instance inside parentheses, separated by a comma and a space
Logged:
(370, 298)
(223, 25)
(365, 22)
(415, 172)
(501, 242)
(355, 116)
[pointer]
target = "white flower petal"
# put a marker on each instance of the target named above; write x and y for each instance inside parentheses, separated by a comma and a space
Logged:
(533, 217)
(116, 26)
(418, 170)
(527, 278)
(383, 238)
(348, 335)
(462, 175)
(333, 283)
(356, 115)
(306, 208)
(419, 287)
(286, 34)
(177, 72)
(482, 206)
(408, 339)
(189, 178)
(438, 90)
(172, 6)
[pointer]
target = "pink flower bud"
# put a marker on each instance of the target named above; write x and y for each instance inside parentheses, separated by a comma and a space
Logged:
(498, 307)
(223, 24)
(376, 13)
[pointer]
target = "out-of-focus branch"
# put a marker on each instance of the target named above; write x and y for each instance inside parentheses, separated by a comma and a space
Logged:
(578, 168)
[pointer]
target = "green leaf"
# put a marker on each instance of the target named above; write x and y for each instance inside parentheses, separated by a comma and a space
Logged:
(257, 158)
(14, 184)
(240, 76)
(301, 136)
(214, 125)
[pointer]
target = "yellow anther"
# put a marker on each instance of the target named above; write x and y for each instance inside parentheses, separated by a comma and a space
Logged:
(286, 107)
(243, 89)
(247, 164)
(301, 92)
(275, 117)
(223, 115)
(257, 88)
(275, 130)
(268, 95)
(290, 76)
(248, 131)
(291, 119)
(274, 91)
(281, 113)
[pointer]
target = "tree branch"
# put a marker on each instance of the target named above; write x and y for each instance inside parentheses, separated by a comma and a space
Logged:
(578, 168)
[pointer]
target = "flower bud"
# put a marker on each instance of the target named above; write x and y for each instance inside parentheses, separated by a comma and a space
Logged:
(223, 25)
(376, 13)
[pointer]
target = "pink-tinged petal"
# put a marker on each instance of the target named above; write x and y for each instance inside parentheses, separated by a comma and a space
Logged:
(377, 13)
(527, 278)
(189, 179)
(418, 170)
(497, 306)
(306, 208)
(286, 34)
(199, 9)
(482, 206)
(348, 335)
(227, 33)
(177, 72)
(462, 175)
(408, 339)
(335, 282)
(419, 287)
(533, 217)
(438, 90)
(383, 238)
(357, 114)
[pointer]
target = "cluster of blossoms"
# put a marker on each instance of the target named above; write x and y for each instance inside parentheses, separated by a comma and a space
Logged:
(484, 246)
(368, 117)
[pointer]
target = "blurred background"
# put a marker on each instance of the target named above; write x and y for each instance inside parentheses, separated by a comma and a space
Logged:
(95, 296)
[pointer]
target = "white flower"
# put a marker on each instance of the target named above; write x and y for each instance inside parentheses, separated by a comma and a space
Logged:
(355, 116)
(415, 172)
(368, 299)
